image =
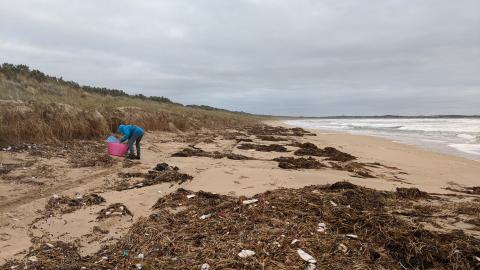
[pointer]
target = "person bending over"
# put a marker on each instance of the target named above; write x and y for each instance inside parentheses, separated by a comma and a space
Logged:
(132, 134)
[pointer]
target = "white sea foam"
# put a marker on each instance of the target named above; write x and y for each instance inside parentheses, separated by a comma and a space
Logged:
(462, 134)
(473, 149)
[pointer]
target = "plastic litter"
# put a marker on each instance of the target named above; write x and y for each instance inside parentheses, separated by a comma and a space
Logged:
(333, 203)
(305, 256)
(56, 196)
(205, 266)
(140, 256)
(342, 248)
(190, 196)
(294, 241)
(246, 253)
(476, 258)
(49, 245)
(33, 258)
(352, 236)
(125, 253)
(138, 266)
(322, 227)
(205, 216)
(247, 202)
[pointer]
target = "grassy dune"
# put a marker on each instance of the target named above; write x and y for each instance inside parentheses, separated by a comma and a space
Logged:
(35, 107)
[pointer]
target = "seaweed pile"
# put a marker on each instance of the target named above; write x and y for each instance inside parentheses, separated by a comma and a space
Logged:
(265, 130)
(114, 210)
(197, 152)
(339, 226)
(76, 148)
(412, 193)
(239, 140)
(263, 148)
(310, 149)
(64, 204)
(154, 177)
(233, 135)
(271, 138)
(162, 173)
(358, 169)
(298, 163)
(467, 190)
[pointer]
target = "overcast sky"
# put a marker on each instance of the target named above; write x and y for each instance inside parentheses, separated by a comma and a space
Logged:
(299, 57)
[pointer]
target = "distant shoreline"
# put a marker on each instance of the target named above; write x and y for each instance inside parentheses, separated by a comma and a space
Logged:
(378, 117)
(463, 143)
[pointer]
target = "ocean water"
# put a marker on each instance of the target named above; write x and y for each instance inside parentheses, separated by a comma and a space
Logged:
(458, 136)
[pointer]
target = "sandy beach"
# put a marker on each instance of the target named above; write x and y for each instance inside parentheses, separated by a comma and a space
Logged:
(25, 190)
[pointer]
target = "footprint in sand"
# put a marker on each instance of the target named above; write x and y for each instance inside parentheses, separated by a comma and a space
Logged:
(5, 237)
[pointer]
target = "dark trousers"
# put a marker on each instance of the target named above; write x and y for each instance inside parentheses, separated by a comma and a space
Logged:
(136, 138)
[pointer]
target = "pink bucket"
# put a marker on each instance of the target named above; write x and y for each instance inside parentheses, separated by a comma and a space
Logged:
(117, 149)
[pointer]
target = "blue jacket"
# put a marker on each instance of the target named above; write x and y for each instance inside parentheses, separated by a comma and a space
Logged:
(128, 131)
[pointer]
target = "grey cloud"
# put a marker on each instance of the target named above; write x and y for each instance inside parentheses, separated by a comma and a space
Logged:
(301, 57)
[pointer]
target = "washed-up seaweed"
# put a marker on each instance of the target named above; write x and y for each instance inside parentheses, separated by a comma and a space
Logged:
(114, 210)
(466, 190)
(64, 204)
(412, 193)
(271, 138)
(339, 226)
(298, 163)
(263, 148)
(357, 168)
(265, 130)
(161, 173)
(197, 152)
(310, 149)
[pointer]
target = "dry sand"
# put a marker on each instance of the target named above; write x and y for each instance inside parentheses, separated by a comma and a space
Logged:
(23, 198)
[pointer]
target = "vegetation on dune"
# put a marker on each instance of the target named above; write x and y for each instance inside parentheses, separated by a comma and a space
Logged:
(36, 107)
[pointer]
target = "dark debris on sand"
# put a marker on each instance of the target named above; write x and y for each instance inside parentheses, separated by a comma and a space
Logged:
(233, 135)
(82, 160)
(263, 148)
(271, 138)
(342, 226)
(239, 140)
(265, 130)
(155, 177)
(298, 163)
(358, 169)
(64, 204)
(162, 173)
(197, 152)
(310, 149)
(114, 210)
(411, 193)
(466, 190)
